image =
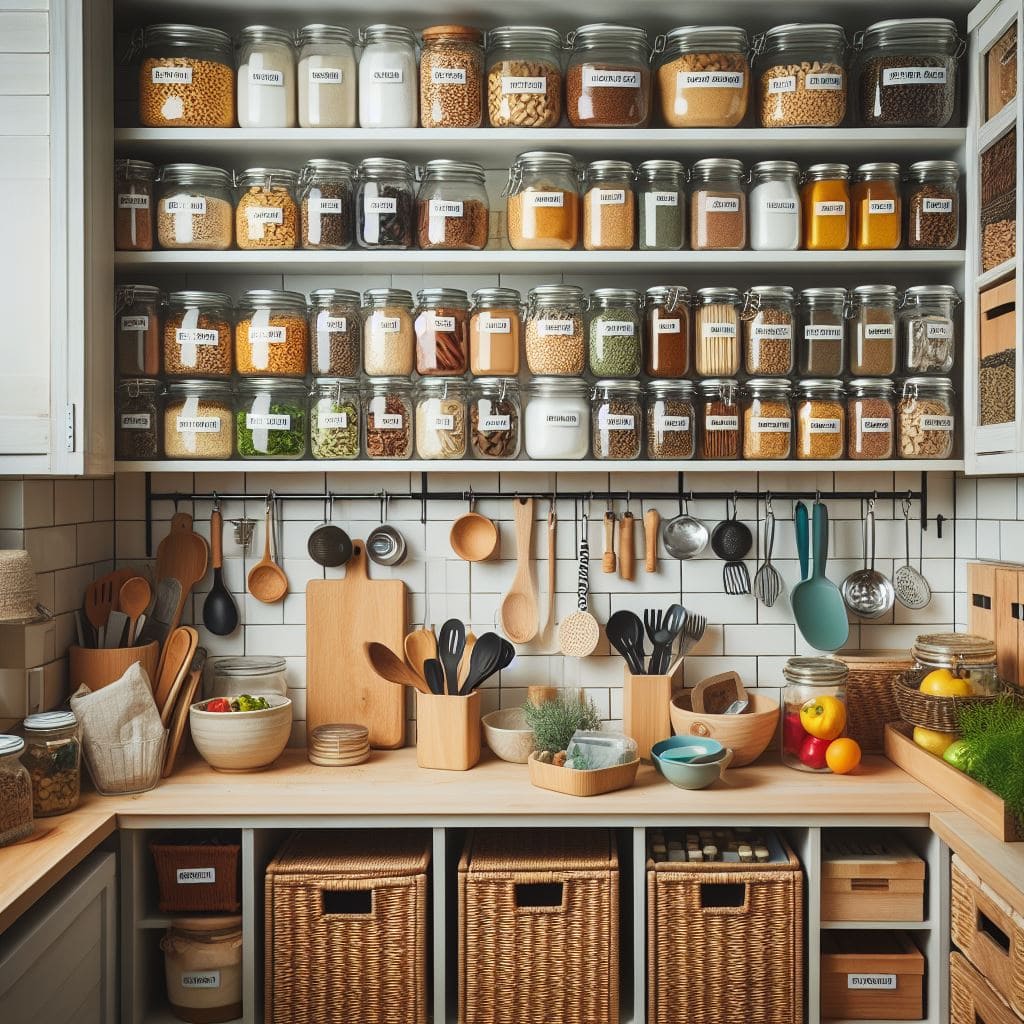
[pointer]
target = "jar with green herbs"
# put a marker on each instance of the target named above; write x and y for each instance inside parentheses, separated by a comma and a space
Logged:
(334, 418)
(615, 332)
(15, 792)
(495, 418)
(270, 419)
(53, 757)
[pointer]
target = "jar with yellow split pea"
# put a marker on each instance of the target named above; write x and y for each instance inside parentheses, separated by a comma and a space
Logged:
(272, 334)
(877, 209)
(825, 205)
(609, 206)
(267, 215)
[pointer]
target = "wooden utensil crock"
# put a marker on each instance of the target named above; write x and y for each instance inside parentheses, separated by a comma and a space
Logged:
(448, 731)
(97, 668)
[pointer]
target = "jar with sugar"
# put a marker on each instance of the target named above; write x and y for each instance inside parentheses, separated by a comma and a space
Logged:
(775, 206)
(388, 78)
(557, 418)
(266, 78)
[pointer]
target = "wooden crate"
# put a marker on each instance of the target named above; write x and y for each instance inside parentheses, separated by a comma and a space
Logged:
(871, 976)
(1001, 72)
(870, 877)
(972, 1000)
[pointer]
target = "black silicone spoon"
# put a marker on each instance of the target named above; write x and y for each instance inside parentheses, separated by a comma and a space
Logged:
(220, 615)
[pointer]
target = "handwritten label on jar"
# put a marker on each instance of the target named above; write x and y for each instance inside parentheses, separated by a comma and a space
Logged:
(709, 80)
(611, 196)
(876, 425)
(448, 76)
(561, 419)
(510, 85)
(377, 205)
(333, 421)
(613, 421)
(323, 206)
(444, 323)
(130, 201)
(830, 209)
(718, 330)
(785, 83)
(196, 205)
(200, 979)
(196, 336)
(824, 81)
(445, 208)
(262, 77)
(879, 332)
(942, 331)
(198, 424)
(326, 322)
(440, 421)
(544, 198)
(914, 76)
(488, 423)
(268, 335)
(880, 982)
(770, 424)
(667, 424)
(773, 332)
(600, 79)
(936, 205)
(267, 421)
(665, 198)
(196, 876)
(389, 324)
(616, 329)
(560, 328)
(495, 324)
(817, 426)
(823, 332)
(944, 423)
(666, 326)
(326, 76)
(135, 421)
(722, 204)
(388, 421)
(779, 205)
(171, 76)
(722, 423)
(881, 206)
(387, 76)
(135, 323)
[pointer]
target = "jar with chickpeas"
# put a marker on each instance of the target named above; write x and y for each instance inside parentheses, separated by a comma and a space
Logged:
(197, 334)
(267, 215)
(272, 334)
(524, 77)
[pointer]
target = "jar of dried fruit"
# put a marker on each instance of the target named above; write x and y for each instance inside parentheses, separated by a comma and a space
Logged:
(495, 332)
(667, 334)
(442, 332)
(556, 342)
(197, 334)
(933, 205)
(53, 757)
(671, 420)
(928, 329)
(873, 330)
(718, 205)
(385, 204)
(927, 418)
(270, 418)
(871, 419)
(137, 330)
(451, 77)
(334, 418)
(133, 205)
(822, 337)
(767, 419)
(609, 206)
(199, 420)
(825, 202)
(608, 78)
(267, 216)
(877, 207)
(137, 427)
(389, 341)
(326, 197)
(616, 419)
(452, 210)
(768, 328)
(820, 419)
(335, 330)
(543, 208)
(716, 330)
(272, 334)
(495, 417)
(15, 792)
(441, 418)
(720, 418)
(388, 418)
(524, 77)
(195, 209)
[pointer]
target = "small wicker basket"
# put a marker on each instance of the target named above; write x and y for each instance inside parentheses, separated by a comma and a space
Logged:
(197, 877)
(941, 714)
(870, 702)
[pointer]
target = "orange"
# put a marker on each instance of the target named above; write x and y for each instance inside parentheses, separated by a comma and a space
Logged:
(843, 755)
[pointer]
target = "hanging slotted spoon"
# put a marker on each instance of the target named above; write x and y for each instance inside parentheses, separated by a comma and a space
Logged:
(912, 590)
(867, 592)
(767, 581)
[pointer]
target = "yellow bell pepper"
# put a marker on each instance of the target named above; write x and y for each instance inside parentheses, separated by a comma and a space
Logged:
(823, 717)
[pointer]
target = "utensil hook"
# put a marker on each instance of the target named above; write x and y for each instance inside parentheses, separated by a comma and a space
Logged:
(216, 502)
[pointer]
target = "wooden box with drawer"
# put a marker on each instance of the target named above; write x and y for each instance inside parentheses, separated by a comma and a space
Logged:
(867, 878)
(871, 976)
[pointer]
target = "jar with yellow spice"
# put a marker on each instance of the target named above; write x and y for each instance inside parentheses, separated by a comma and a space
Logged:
(877, 211)
(825, 204)
(272, 334)
(267, 216)
(820, 419)
(609, 206)
(543, 209)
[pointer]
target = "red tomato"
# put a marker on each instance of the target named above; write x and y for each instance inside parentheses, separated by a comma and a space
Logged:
(219, 704)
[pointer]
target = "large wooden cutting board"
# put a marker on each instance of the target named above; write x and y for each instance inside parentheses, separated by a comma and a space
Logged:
(341, 616)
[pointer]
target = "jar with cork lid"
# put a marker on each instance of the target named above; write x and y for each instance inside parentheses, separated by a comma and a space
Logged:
(877, 206)
(825, 201)
(718, 205)
(451, 77)
(609, 206)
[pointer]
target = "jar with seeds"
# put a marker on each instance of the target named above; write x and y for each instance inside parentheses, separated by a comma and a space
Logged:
(768, 328)
(928, 328)
(441, 418)
(820, 419)
(932, 204)
(718, 205)
(671, 420)
(661, 205)
(524, 77)
(442, 332)
(197, 334)
(137, 426)
(195, 209)
(615, 332)
(767, 419)
(822, 337)
(871, 418)
(452, 210)
(720, 418)
(495, 417)
(385, 204)
(53, 757)
(617, 419)
(270, 418)
(272, 334)
(668, 329)
(15, 792)
(389, 341)
(555, 338)
(199, 420)
(326, 196)
(335, 331)
(609, 206)
(133, 205)
(334, 418)
(872, 326)
(451, 77)
(267, 216)
(388, 418)
(137, 330)
(717, 331)
(926, 418)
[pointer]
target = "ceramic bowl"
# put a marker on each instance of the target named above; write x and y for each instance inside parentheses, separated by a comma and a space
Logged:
(690, 776)
(241, 741)
(747, 735)
(508, 735)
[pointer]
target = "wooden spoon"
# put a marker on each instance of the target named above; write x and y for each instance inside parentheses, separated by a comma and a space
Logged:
(467, 653)
(179, 719)
(267, 581)
(134, 598)
(174, 662)
(386, 663)
(184, 556)
(519, 607)
(420, 644)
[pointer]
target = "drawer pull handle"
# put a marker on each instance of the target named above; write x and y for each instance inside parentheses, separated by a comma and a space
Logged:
(981, 601)
(870, 885)
(724, 895)
(1017, 610)
(347, 901)
(986, 926)
(539, 894)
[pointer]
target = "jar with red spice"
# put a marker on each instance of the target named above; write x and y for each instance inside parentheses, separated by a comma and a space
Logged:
(442, 332)
(872, 424)
(668, 323)
(608, 79)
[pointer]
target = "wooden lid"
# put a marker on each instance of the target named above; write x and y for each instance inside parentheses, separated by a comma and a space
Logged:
(566, 850)
(459, 31)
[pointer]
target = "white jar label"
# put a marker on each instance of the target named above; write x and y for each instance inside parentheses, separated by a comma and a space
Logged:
(914, 76)
(936, 205)
(510, 85)
(616, 329)
(709, 80)
(879, 332)
(718, 330)
(561, 419)
(495, 324)
(779, 205)
(830, 209)
(390, 324)
(333, 421)
(881, 206)
(448, 76)
(135, 323)
(597, 78)
(326, 76)
(132, 201)
(667, 424)
(876, 425)
(666, 326)
(785, 83)
(388, 421)
(135, 421)
(444, 323)
(544, 198)
(488, 423)
(387, 76)
(562, 328)
(267, 421)
(613, 421)
(824, 80)
(263, 77)
(200, 979)
(374, 206)
(196, 205)
(823, 332)
(940, 331)
(332, 323)
(870, 982)
(722, 423)
(665, 198)
(611, 196)
(770, 424)
(439, 421)
(198, 424)
(268, 335)
(171, 76)
(323, 206)
(445, 208)
(196, 876)
(722, 204)
(196, 336)
(772, 332)
(816, 426)
(943, 423)
(258, 219)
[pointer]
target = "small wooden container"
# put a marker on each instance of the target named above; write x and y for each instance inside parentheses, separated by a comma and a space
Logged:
(579, 783)
(972, 998)
(870, 878)
(447, 731)
(99, 667)
(871, 976)
(645, 704)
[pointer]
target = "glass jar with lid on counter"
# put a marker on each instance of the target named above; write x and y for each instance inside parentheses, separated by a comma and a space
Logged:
(818, 685)
(871, 419)
(926, 418)
(524, 77)
(334, 418)
(543, 208)
(825, 202)
(877, 207)
(661, 205)
(195, 208)
(927, 328)
(933, 205)
(266, 78)
(15, 792)
(608, 78)
(388, 77)
(768, 331)
(614, 332)
(197, 334)
(495, 418)
(451, 77)
(272, 334)
(718, 205)
(667, 344)
(326, 198)
(133, 205)
(442, 332)
(822, 348)
(267, 215)
(335, 331)
(617, 419)
(53, 757)
(385, 204)
(441, 418)
(388, 418)
(873, 330)
(557, 418)
(820, 419)
(452, 210)
(716, 329)
(609, 206)
(389, 339)
(247, 673)
(199, 420)
(767, 419)
(967, 656)
(671, 420)
(327, 77)
(137, 330)
(556, 339)
(270, 418)
(801, 76)
(775, 222)
(495, 332)
(720, 418)
(137, 423)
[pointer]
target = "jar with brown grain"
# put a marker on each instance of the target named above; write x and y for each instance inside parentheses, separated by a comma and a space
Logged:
(871, 418)
(53, 757)
(451, 77)
(386, 204)
(452, 210)
(267, 216)
(820, 419)
(271, 414)
(495, 418)
(335, 332)
(703, 76)
(932, 203)
(671, 420)
(137, 423)
(716, 329)
(926, 418)
(822, 332)
(15, 792)
(661, 205)
(928, 328)
(195, 209)
(524, 77)
(495, 332)
(608, 78)
(872, 326)
(272, 334)
(197, 334)
(768, 328)
(388, 418)
(133, 205)
(326, 201)
(720, 419)
(442, 332)
(441, 430)
(718, 205)
(616, 419)
(767, 419)
(556, 338)
(667, 334)
(825, 206)
(389, 340)
(199, 420)
(543, 208)
(877, 206)
(609, 206)
(137, 330)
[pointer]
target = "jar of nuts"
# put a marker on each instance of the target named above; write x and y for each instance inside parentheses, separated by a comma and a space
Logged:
(442, 332)
(820, 419)
(133, 205)
(928, 329)
(137, 426)
(822, 351)
(768, 320)
(932, 204)
(441, 418)
(873, 330)
(451, 77)
(661, 204)
(389, 341)
(194, 207)
(335, 329)
(197, 340)
(199, 420)
(452, 210)
(137, 330)
(267, 216)
(671, 420)
(667, 337)
(495, 332)
(326, 197)
(272, 334)
(555, 337)
(871, 420)
(616, 419)
(495, 415)
(927, 418)
(388, 418)
(524, 77)
(53, 757)
(609, 206)
(334, 418)
(15, 792)
(720, 418)
(767, 419)
(385, 204)
(608, 78)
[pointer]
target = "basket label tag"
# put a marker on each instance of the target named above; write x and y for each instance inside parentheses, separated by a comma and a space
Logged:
(196, 876)
(880, 982)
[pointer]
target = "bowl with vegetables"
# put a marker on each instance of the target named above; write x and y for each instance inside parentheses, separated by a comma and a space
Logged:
(243, 733)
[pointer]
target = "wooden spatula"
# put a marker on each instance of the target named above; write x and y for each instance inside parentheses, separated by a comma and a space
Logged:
(420, 644)
(98, 603)
(179, 721)
(184, 556)
(174, 663)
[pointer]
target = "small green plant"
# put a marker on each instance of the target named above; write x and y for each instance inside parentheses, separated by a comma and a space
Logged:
(994, 733)
(554, 722)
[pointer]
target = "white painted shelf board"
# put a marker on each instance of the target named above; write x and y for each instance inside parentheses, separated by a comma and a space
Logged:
(997, 126)
(876, 926)
(997, 274)
(153, 921)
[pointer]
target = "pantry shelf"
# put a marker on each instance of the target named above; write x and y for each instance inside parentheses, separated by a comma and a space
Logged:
(1003, 272)
(997, 126)
(876, 926)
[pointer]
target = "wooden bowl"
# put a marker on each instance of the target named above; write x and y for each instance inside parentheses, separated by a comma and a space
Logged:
(748, 735)
(508, 735)
(576, 783)
(242, 741)
(473, 537)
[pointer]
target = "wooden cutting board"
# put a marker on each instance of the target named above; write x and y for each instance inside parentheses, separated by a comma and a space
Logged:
(341, 616)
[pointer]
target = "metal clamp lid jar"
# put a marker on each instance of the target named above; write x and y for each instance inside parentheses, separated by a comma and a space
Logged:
(775, 205)
(271, 415)
(617, 419)
(195, 207)
(524, 76)
(933, 205)
(555, 335)
(137, 420)
(615, 332)
(966, 655)
(327, 77)
(385, 204)
(557, 419)
(768, 330)
(442, 331)
(817, 686)
(267, 215)
(543, 209)
(53, 757)
(667, 347)
(197, 334)
(452, 208)
(608, 79)
(15, 792)
(441, 418)
(388, 80)
(661, 201)
(495, 415)
(266, 78)
(718, 204)
(334, 404)
(335, 330)
(671, 420)
(928, 328)
(133, 205)
(720, 419)
(326, 195)
(872, 314)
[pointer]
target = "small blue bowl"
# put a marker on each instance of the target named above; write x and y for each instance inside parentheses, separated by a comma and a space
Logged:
(670, 758)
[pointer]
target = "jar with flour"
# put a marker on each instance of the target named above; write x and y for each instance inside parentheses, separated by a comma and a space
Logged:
(266, 78)
(388, 78)
(203, 968)
(775, 205)
(327, 77)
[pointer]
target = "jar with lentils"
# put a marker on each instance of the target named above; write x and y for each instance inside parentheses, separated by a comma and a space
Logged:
(270, 418)
(335, 330)
(872, 328)
(199, 420)
(451, 77)
(15, 792)
(720, 418)
(194, 207)
(718, 205)
(543, 207)
(452, 210)
(667, 334)
(442, 332)
(767, 419)
(524, 77)
(334, 418)
(441, 431)
(820, 419)
(768, 328)
(385, 204)
(661, 205)
(555, 337)
(137, 330)
(272, 334)
(609, 206)
(616, 419)
(137, 426)
(267, 216)
(495, 332)
(557, 418)
(928, 328)
(877, 207)
(932, 204)
(197, 334)
(614, 332)
(822, 350)
(388, 418)
(326, 197)
(825, 202)
(671, 420)
(926, 418)
(133, 205)
(53, 757)
(608, 78)
(389, 340)
(495, 418)
(716, 329)
(871, 418)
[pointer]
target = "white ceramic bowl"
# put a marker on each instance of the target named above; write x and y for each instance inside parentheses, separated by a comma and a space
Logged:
(508, 735)
(241, 741)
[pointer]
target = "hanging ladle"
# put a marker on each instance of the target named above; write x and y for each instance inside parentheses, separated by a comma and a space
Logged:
(867, 592)
(683, 536)
(267, 581)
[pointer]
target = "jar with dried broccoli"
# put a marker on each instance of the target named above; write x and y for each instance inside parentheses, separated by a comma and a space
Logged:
(270, 419)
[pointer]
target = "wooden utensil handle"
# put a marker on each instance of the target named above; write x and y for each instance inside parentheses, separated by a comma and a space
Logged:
(523, 513)
(608, 558)
(627, 566)
(652, 520)
(216, 526)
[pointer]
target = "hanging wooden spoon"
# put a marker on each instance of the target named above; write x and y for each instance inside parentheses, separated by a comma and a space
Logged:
(267, 581)
(134, 598)
(519, 606)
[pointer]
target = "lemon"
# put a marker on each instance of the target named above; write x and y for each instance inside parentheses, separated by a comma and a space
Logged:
(942, 683)
(932, 741)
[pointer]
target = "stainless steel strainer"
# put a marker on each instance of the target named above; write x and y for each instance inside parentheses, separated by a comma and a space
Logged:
(912, 590)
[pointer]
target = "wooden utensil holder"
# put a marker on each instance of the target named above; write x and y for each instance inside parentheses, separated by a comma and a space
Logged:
(447, 731)
(645, 710)
(98, 667)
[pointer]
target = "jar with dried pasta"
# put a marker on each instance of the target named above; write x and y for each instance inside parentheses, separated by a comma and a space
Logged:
(335, 330)
(667, 337)
(768, 331)
(716, 331)
(334, 418)
(187, 77)
(524, 77)
(388, 418)
(442, 332)
(199, 420)
(608, 78)
(609, 206)
(451, 77)
(137, 330)
(495, 332)
(877, 209)
(671, 420)
(272, 334)
(197, 334)
(927, 418)
(822, 348)
(441, 418)
(820, 419)
(720, 418)
(133, 205)
(718, 205)
(873, 330)
(825, 202)
(767, 419)
(452, 210)
(270, 418)
(326, 195)
(871, 419)
(267, 216)
(556, 343)
(194, 208)
(616, 419)
(543, 207)
(389, 341)
(495, 418)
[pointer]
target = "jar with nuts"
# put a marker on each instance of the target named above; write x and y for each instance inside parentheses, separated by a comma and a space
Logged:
(267, 216)
(661, 205)
(53, 757)
(495, 416)
(137, 330)
(388, 418)
(671, 420)
(616, 419)
(555, 336)
(720, 418)
(451, 77)
(873, 330)
(452, 210)
(608, 78)
(385, 204)
(927, 418)
(389, 340)
(326, 198)
(928, 328)
(871, 420)
(442, 332)
(195, 209)
(609, 206)
(199, 420)
(932, 204)
(524, 77)
(272, 334)
(768, 320)
(820, 419)
(133, 205)
(197, 334)
(334, 418)
(335, 330)
(15, 792)
(441, 418)
(767, 419)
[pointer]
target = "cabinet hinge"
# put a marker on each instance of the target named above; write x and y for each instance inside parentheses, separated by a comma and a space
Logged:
(69, 428)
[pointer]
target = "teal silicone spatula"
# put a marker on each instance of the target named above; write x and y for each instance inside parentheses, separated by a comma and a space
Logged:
(817, 604)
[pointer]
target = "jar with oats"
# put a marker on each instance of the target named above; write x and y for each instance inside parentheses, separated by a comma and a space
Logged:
(270, 418)
(720, 418)
(667, 347)
(661, 204)
(718, 205)
(334, 418)
(442, 332)
(872, 326)
(133, 205)
(609, 206)
(389, 341)
(441, 418)
(187, 77)
(335, 332)
(822, 338)
(615, 332)
(768, 331)
(820, 419)
(877, 209)
(452, 210)
(137, 422)
(199, 420)
(825, 202)
(451, 77)
(495, 418)
(272, 334)
(326, 196)
(926, 418)
(267, 216)
(194, 207)
(671, 420)
(137, 330)
(608, 78)
(495, 332)
(716, 329)
(197, 334)
(617, 419)
(556, 342)
(871, 418)
(388, 418)
(266, 78)
(543, 208)
(524, 77)
(767, 419)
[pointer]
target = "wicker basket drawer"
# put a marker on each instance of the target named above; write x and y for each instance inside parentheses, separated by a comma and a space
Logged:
(869, 878)
(972, 1000)
(197, 877)
(871, 976)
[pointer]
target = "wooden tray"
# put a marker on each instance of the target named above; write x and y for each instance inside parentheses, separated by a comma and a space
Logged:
(574, 783)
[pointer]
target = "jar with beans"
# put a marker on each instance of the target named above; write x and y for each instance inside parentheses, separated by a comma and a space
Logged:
(137, 427)
(927, 418)
(441, 431)
(543, 208)
(15, 792)
(272, 334)
(775, 206)
(451, 77)
(195, 208)
(871, 418)
(326, 197)
(616, 419)
(609, 206)
(718, 205)
(524, 77)
(388, 83)
(768, 320)
(335, 330)
(555, 336)
(557, 418)
(495, 332)
(270, 419)
(767, 419)
(53, 757)
(137, 330)
(186, 78)
(197, 334)
(388, 418)
(927, 328)
(327, 77)
(671, 420)
(452, 210)
(266, 78)
(614, 332)
(825, 202)
(442, 332)
(389, 341)
(334, 418)
(133, 205)
(385, 204)
(719, 418)
(667, 337)
(933, 205)
(820, 419)
(801, 76)
(877, 208)
(608, 78)
(267, 216)
(716, 330)
(199, 420)
(822, 351)
(703, 76)
(873, 330)
(495, 416)
(661, 205)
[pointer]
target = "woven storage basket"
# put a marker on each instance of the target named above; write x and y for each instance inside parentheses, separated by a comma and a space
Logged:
(539, 928)
(870, 702)
(972, 1000)
(346, 929)
(196, 877)
(939, 713)
(741, 963)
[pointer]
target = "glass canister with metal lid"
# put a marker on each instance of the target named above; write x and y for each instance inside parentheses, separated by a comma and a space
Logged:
(267, 215)
(524, 77)
(133, 205)
(774, 203)
(661, 204)
(137, 330)
(614, 332)
(442, 332)
(556, 342)
(53, 757)
(667, 348)
(195, 207)
(203, 968)
(15, 792)
(327, 77)
(388, 80)
(814, 711)
(608, 78)
(452, 210)
(928, 329)
(768, 331)
(825, 201)
(197, 334)
(386, 204)
(266, 78)
(495, 332)
(252, 674)
(326, 196)
(966, 655)
(877, 206)
(609, 206)
(543, 208)
(718, 205)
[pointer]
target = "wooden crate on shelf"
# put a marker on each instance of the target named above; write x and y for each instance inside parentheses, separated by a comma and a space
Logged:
(871, 976)
(870, 877)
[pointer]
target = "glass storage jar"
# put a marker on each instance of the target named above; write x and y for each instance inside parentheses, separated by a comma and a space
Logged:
(768, 331)
(389, 340)
(267, 216)
(933, 205)
(334, 418)
(873, 330)
(801, 76)
(703, 76)
(199, 420)
(767, 419)
(495, 418)
(133, 205)
(718, 205)
(543, 208)
(616, 419)
(719, 418)
(247, 673)
(608, 78)
(272, 334)
(614, 332)
(813, 685)
(388, 77)
(820, 419)
(716, 330)
(667, 335)
(388, 418)
(197, 334)
(326, 197)
(15, 792)
(906, 73)
(609, 206)
(137, 330)
(877, 208)
(524, 77)
(195, 209)
(266, 78)
(452, 210)
(186, 78)
(137, 433)
(555, 337)
(197, 950)
(451, 77)
(671, 420)
(385, 204)
(557, 418)
(870, 417)
(927, 328)
(927, 418)
(270, 418)
(661, 204)
(335, 330)
(441, 418)
(822, 351)
(775, 206)
(327, 77)
(53, 757)
(967, 656)
(442, 332)
(495, 332)
(825, 201)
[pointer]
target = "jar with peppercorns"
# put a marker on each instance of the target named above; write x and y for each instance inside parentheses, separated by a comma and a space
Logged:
(871, 419)
(616, 419)
(442, 332)
(768, 330)
(452, 210)
(671, 420)
(335, 331)
(197, 334)
(524, 77)
(720, 418)
(821, 419)
(388, 418)
(272, 334)
(267, 215)
(767, 419)
(495, 418)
